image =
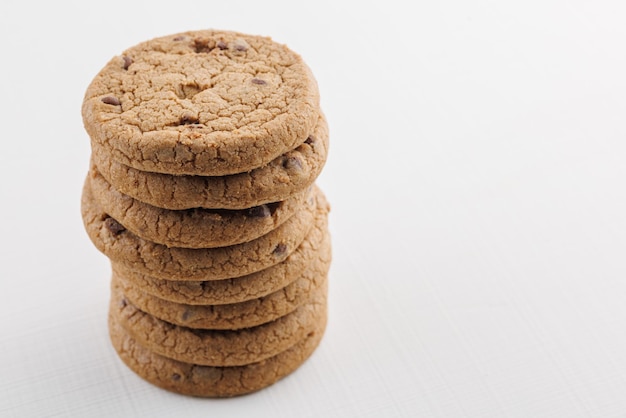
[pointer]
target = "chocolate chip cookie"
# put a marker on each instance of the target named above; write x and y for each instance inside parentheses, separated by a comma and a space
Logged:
(228, 316)
(286, 175)
(175, 263)
(191, 228)
(314, 250)
(219, 347)
(202, 102)
(207, 381)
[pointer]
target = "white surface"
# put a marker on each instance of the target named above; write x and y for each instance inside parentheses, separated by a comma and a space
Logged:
(479, 209)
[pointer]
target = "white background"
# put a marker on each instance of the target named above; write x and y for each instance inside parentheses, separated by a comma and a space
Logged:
(477, 177)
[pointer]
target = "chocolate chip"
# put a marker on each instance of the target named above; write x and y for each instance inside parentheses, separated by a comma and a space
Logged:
(127, 62)
(123, 302)
(262, 211)
(178, 38)
(114, 226)
(110, 100)
(222, 45)
(280, 249)
(310, 140)
(203, 45)
(175, 377)
(258, 81)
(292, 163)
(186, 314)
(239, 47)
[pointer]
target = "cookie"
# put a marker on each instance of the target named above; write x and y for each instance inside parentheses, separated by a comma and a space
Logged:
(228, 316)
(191, 228)
(314, 250)
(201, 103)
(219, 347)
(286, 175)
(206, 381)
(156, 260)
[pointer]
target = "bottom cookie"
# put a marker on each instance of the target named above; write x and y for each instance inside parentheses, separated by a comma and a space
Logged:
(207, 381)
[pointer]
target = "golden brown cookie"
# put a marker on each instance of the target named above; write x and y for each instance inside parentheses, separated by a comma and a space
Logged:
(202, 102)
(207, 381)
(314, 250)
(191, 228)
(228, 316)
(286, 175)
(219, 347)
(156, 260)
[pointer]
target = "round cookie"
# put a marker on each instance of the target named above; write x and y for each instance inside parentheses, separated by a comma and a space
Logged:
(219, 347)
(192, 228)
(286, 175)
(201, 102)
(156, 260)
(207, 381)
(228, 316)
(314, 250)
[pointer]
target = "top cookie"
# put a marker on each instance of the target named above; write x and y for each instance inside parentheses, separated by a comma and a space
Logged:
(207, 103)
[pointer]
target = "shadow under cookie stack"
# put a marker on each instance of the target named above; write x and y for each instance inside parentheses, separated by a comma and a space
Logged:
(201, 191)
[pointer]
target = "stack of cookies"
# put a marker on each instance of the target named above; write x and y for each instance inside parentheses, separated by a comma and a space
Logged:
(201, 191)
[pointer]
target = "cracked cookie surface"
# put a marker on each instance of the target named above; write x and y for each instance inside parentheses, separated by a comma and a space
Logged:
(315, 249)
(191, 228)
(219, 347)
(288, 174)
(202, 103)
(175, 263)
(206, 381)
